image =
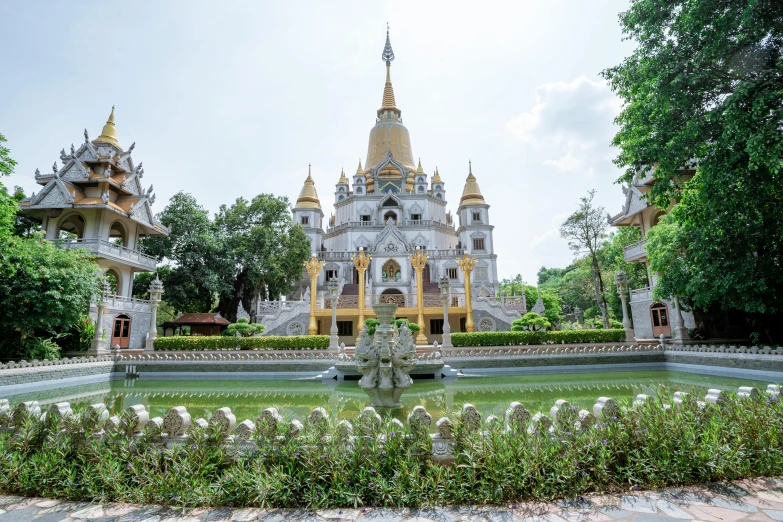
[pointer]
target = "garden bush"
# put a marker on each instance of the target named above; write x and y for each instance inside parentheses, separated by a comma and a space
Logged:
(267, 342)
(649, 447)
(537, 337)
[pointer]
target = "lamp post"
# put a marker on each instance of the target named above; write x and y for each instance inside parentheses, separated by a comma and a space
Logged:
(313, 267)
(444, 286)
(334, 289)
(419, 261)
(466, 264)
(156, 290)
(621, 280)
(361, 261)
(98, 345)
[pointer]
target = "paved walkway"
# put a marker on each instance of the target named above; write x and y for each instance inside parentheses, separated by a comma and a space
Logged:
(757, 500)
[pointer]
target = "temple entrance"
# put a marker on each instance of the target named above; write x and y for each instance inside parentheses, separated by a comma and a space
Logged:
(392, 296)
(425, 274)
(660, 320)
(120, 332)
(390, 215)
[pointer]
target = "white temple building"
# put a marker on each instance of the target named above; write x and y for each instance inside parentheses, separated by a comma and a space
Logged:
(390, 207)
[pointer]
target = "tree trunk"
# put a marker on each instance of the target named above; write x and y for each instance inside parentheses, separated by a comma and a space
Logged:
(244, 292)
(598, 285)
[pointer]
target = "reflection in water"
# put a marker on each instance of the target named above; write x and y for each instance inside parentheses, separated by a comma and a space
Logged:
(491, 395)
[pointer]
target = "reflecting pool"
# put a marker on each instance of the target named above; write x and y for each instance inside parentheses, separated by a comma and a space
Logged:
(295, 399)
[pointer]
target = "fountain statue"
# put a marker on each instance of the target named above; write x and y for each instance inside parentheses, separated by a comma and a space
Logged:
(385, 359)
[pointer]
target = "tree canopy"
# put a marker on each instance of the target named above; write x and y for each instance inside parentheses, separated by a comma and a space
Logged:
(703, 88)
(250, 247)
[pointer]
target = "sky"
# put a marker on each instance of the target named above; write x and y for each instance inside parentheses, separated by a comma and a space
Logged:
(232, 99)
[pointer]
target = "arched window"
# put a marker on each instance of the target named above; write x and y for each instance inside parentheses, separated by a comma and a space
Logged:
(117, 235)
(115, 281)
(71, 227)
(420, 190)
(439, 195)
(390, 215)
(437, 187)
(390, 271)
(341, 189)
(359, 190)
(420, 180)
(342, 197)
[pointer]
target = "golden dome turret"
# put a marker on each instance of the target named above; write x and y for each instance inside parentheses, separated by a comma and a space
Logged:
(436, 178)
(359, 169)
(109, 132)
(471, 194)
(308, 197)
(419, 170)
(343, 180)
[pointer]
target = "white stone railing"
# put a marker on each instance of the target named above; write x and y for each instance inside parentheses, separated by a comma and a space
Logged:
(270, 429)
(635, 251)
(35, 363)
(538, 350)
(110, 250)
(641, 294)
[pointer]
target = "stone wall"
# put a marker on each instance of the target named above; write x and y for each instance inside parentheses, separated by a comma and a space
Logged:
(642, 321)
(24, 373)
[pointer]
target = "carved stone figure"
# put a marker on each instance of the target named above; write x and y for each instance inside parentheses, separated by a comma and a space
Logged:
(385, 364)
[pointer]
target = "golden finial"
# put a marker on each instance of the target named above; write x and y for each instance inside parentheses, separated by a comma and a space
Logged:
(359, 169)
(308, 197)
(437, 179)
(342, 179)
(109, 132)
(419, 170)
(471, 194)
(389, 104)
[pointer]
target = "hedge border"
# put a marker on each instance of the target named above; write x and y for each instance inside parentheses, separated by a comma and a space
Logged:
(222, 342)
(541, 337)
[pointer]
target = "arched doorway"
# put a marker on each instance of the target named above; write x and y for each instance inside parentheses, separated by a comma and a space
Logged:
(659, 313)
(115, 281)
(120, 332)
(390, 271)
(425, 274)
(392, 296)
(390, 215)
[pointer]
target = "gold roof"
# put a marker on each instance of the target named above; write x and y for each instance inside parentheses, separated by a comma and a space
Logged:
(359, 169)
(437, 179)
(109, 132)
(343, 179)
(471, 194)
(419, 170)
(308, 197)
(388, 103)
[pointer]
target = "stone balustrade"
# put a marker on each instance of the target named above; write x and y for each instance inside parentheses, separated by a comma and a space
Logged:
(270, 428)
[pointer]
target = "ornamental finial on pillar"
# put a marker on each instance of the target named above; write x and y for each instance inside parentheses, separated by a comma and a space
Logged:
(388, 53)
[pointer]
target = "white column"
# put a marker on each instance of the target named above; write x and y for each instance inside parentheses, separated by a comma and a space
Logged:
(98, 345)
(156, 290)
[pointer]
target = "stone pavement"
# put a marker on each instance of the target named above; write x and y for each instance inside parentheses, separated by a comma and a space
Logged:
(758, 500)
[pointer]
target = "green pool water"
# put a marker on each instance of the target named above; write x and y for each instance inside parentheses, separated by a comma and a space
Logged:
(491, 395)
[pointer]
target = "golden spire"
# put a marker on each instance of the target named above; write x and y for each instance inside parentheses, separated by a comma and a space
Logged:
(437, 179)
(419, 170)
(109, 132)
(308, 197)
(343, 179)
(471, 194)
(359, 169)
(389, 103)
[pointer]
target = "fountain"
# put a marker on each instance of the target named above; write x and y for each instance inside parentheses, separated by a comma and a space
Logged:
(385, 359)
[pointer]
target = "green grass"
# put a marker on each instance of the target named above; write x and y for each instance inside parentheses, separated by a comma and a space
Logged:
(650, 448)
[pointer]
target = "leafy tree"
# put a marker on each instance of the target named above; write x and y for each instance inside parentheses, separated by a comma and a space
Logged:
(585, 230)
(703, 88)
(267, 250)
(43, 290)
(550, 276)
(200, 266)
(23, 226)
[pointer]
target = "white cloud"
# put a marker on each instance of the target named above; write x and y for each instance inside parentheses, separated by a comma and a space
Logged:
(570, 124)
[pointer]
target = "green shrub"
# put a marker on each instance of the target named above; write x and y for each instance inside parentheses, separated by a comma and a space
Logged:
(538, 337)
(244, 328)
(531, 321)
(269, 342)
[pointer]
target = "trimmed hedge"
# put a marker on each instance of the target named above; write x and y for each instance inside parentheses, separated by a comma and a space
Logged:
(268, 342)
(540, 337)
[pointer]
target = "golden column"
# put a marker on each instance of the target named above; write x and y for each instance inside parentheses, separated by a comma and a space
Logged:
(361, 261)
(419, 261)
(466, 264)
(313, 267)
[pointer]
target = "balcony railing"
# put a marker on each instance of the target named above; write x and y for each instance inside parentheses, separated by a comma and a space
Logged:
(374, 223)
(635, 252)
(351, 302)
(110, 250)
(508, 301)
(432, 254)
(641, 294)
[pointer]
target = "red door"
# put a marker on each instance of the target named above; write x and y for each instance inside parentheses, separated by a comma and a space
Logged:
(120, 334)
(660, 320)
